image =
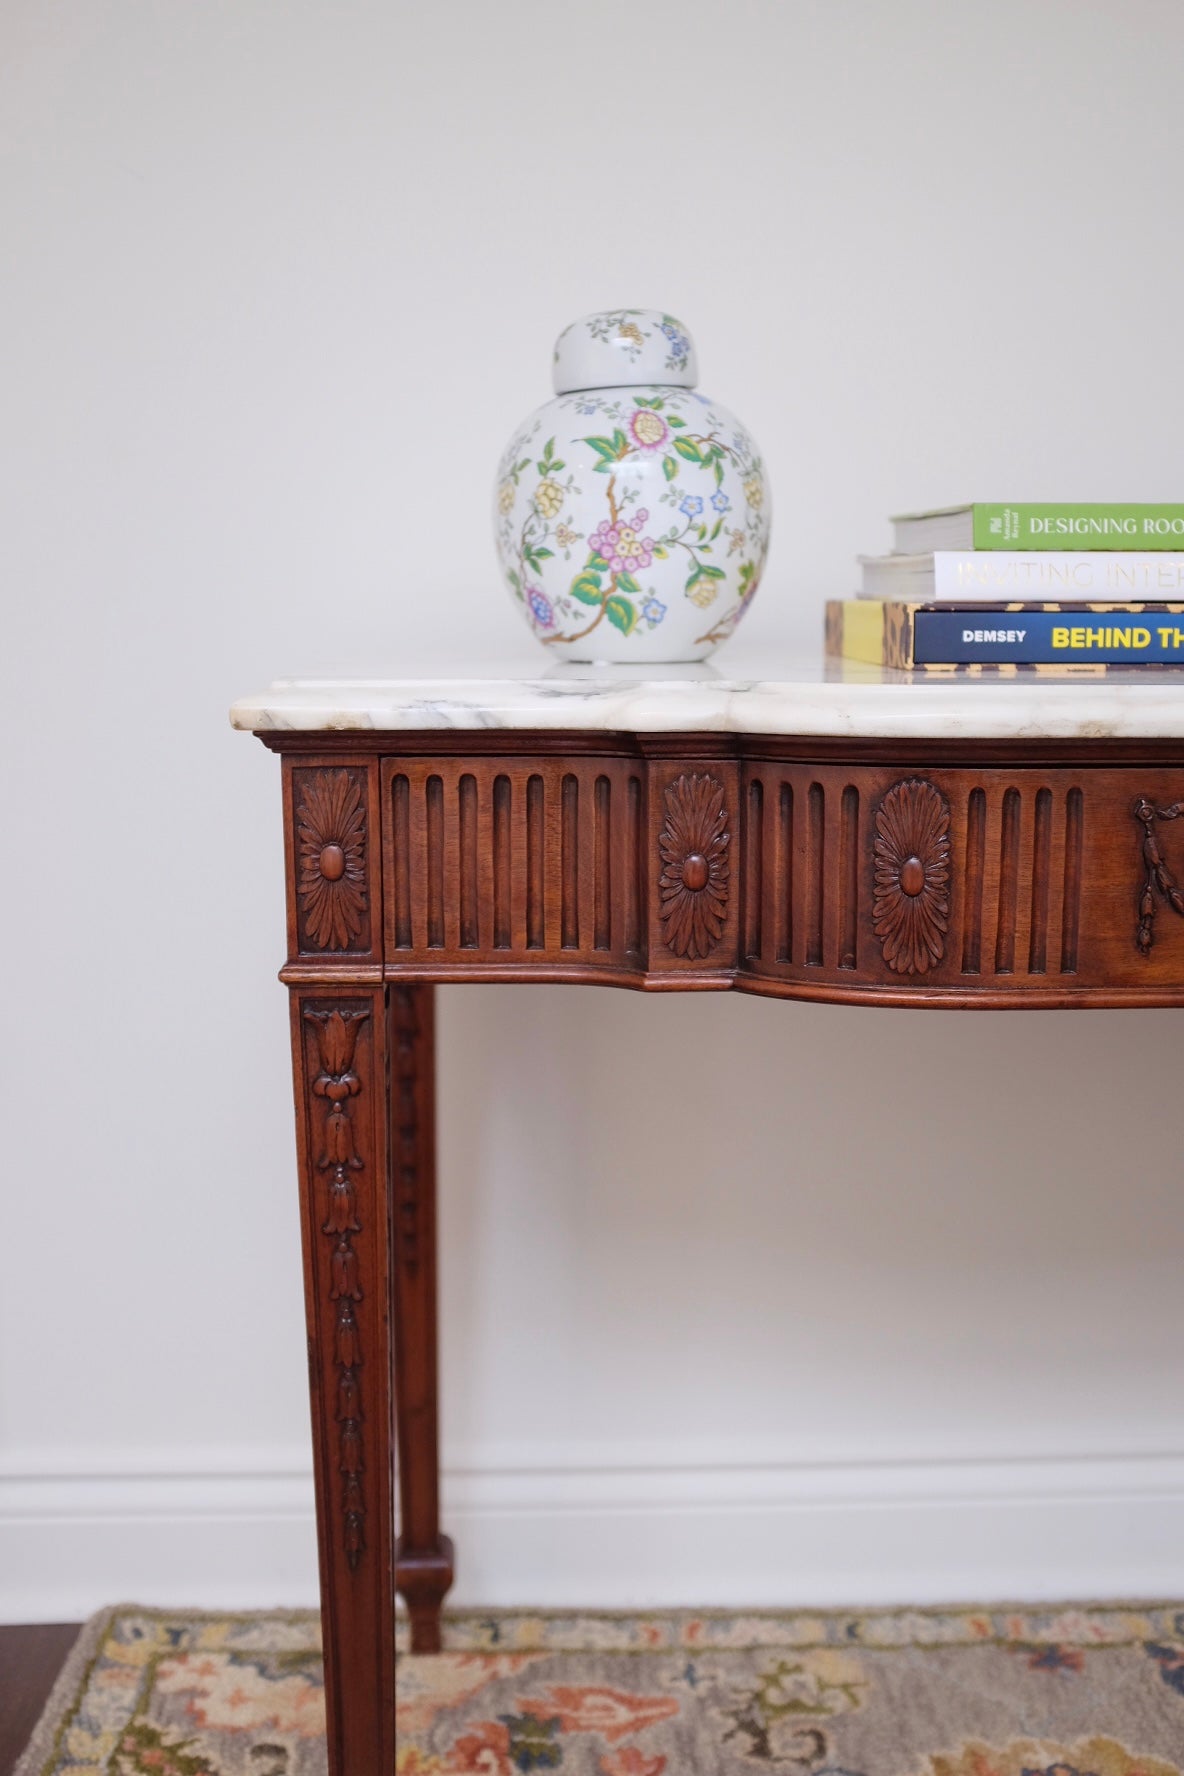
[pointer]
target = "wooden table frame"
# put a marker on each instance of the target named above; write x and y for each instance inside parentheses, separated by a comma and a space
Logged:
(877, 872)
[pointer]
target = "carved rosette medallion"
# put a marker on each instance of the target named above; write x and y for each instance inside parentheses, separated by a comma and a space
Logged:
(693, 884)
(337, 1084)
(911, 908)
(1157, 877)
(331, 857)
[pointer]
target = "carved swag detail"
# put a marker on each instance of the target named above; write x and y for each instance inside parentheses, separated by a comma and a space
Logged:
(337, 1036)
(693, 884)
(1157, 876)
(331, 871)
(910, 911)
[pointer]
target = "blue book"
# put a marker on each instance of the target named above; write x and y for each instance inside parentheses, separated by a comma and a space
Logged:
(888, 633)
(1117, 636)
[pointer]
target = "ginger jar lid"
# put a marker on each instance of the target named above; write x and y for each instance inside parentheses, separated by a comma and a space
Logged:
(624, 348)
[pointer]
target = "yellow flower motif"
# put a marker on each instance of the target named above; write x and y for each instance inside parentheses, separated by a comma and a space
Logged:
(703, 593)
(565, 537)
(754, 492)
(1104, 1757)
(736, 542)
(548, 497)
(505, 496)
(81, 1744)
(129, 1652)
(631, 331)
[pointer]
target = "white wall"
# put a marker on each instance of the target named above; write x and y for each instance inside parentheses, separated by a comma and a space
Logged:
(744, 1300)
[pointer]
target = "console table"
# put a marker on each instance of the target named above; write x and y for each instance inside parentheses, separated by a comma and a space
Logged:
(872, 838)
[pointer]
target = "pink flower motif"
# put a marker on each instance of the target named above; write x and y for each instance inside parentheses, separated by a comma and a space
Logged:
(604, 539)
(483, 1752)
(621, 545)
(595, 1708)
(631, 1762)
(648, 429)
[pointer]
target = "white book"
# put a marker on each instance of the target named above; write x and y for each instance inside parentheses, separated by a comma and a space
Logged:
(955, 576)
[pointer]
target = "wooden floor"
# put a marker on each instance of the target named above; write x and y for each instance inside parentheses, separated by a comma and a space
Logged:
(30, 1659)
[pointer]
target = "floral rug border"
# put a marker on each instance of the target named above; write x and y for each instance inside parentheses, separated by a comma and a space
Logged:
(936, 1626)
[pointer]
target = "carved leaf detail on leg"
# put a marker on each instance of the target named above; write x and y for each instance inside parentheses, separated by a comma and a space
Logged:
(337, 1083)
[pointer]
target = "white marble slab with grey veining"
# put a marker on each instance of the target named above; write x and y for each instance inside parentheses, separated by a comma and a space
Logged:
(738, 694)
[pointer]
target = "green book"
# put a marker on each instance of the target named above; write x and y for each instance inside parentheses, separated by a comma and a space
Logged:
(1039, 527)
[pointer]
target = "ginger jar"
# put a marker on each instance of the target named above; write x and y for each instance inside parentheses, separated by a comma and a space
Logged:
(631, 512)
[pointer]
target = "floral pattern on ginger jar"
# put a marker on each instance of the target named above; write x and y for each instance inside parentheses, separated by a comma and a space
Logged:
(631, 512)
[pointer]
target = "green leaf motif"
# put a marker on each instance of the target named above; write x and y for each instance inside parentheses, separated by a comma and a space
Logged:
(713, 573)
(621, 614)
(620, 442)
(669, 467)
(688, 450)
(597, 563)
(604, 447)
(626, 583)
(716, 528)
(719, 474)
(587, 588)
(676, 420)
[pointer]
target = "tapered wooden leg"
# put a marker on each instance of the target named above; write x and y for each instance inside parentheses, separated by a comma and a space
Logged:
(424, 1556)
(339, 1054)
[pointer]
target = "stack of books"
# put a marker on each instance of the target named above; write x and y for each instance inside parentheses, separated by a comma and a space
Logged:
(1075, 588)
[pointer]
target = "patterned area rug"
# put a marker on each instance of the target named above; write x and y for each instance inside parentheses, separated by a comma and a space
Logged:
(1077, 1691)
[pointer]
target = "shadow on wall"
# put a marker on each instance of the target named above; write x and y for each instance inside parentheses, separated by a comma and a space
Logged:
(743, 1230)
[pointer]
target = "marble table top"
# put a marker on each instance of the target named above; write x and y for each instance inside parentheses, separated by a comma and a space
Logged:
(737, 693)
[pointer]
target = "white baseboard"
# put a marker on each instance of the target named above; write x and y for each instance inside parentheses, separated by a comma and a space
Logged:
(225, 1533)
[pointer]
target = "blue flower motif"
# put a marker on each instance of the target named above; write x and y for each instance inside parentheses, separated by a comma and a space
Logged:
(540, 608)
(653, 610)
(692, 505)
(720, 501)
(1170, 1659)
(533, 1744)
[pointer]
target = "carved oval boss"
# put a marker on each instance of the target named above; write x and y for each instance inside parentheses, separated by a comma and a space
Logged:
(693, 885)
(911, 908)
